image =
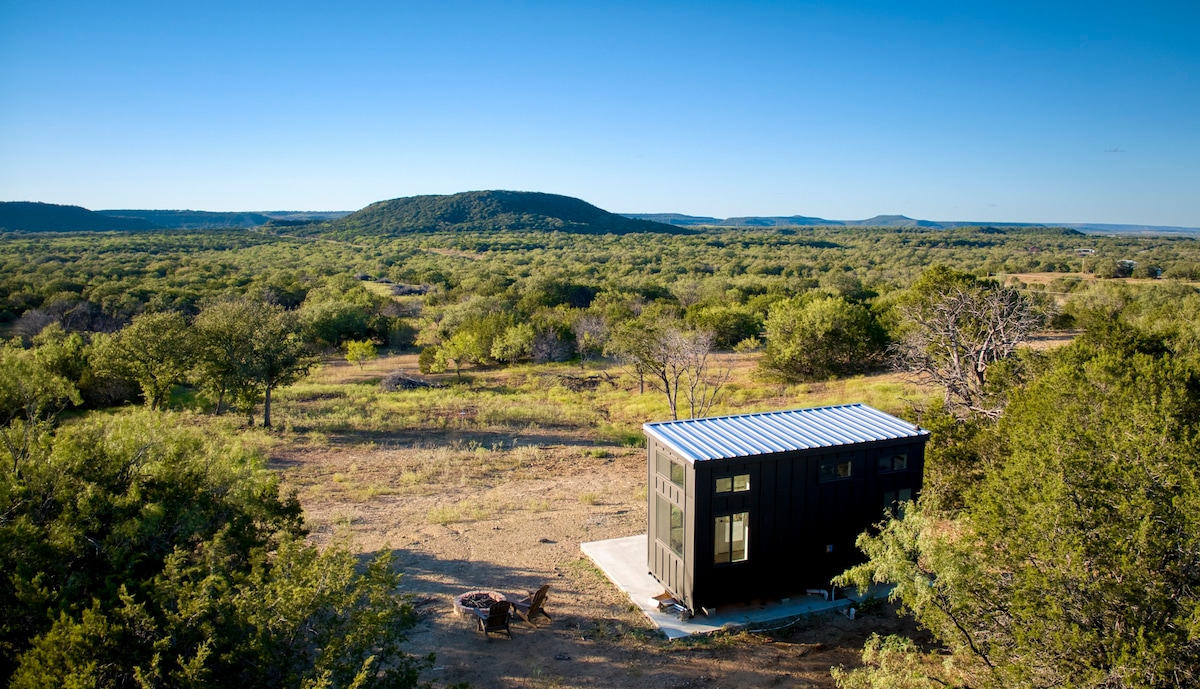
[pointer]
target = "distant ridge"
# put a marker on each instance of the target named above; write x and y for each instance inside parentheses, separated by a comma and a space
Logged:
(902, 221)
(31, 216)
(212, 220)
(487, 211)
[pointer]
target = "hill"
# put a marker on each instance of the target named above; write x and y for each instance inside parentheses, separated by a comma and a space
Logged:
(488, 211)
(29, 216)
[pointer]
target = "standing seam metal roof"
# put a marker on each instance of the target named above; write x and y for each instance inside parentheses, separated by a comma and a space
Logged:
(744, 435)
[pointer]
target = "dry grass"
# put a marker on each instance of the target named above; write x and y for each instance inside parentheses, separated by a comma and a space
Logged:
(494, 481)
(497, 406)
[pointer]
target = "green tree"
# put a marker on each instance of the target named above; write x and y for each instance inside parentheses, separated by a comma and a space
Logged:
(1076, 559)
(817, 336)
(224, 335)
(155, 350)
(140, 550)
(31, 395)
(516, 344)
(278, 356)
(358, 352)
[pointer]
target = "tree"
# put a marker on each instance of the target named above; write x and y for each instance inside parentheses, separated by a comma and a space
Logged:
(155, 350)
(31, 395)
(359, 352)
(278, 356)
(590, 334)
(673, 360)
(516, 344)
(1076, 562)
(140, 550)
(958, 327)
(224, 334)
(817, 336)
(464, 347)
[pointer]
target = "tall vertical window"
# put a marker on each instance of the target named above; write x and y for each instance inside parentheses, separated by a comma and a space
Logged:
(676, 530)
(732, 533)
(669, 529)
(894, 501)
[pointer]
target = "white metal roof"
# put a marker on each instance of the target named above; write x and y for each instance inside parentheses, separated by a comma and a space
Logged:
(744, 435)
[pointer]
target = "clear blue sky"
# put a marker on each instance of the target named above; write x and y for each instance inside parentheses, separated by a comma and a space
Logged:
(1001, 111)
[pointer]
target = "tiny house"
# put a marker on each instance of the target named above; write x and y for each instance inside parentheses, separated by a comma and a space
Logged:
(763, 506)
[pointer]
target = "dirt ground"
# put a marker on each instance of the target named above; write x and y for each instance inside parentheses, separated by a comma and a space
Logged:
(461, 515)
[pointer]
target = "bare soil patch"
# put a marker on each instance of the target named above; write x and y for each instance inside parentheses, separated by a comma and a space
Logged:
(465, 512)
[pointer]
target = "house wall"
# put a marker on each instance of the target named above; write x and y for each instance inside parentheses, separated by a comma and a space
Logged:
(801, 529)
(673, 570)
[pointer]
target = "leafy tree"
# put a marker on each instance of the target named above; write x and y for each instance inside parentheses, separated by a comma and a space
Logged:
(1076, 559)
(359, 352)
(141, 551)
(155, 350)
(31, 394)
(224, 334)
(728, 324)
(278, 356)
(465, 347)
(815, 336)
(516, 344)
(329, 323)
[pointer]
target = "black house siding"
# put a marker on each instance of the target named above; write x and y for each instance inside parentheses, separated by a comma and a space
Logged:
(801, 529)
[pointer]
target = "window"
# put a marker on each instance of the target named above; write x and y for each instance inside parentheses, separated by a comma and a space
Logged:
(734, 484)
(732, 534)
(670, 468)
(893, 463)
(894, 501)
(677, 474)
(834, 469)
(676, 541)
(669, 529)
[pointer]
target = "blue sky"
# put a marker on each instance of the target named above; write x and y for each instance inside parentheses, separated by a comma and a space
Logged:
(1006, 111)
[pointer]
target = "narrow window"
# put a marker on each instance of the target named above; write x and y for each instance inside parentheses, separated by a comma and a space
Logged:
(894, 501)
(669, 527)
(677, 474)
(893, 463)
(677, 530)
(732, 535)
(734, 484)
(662, 463)
(834, 469)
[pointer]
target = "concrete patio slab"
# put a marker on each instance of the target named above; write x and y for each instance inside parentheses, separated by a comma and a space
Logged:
(623, 560)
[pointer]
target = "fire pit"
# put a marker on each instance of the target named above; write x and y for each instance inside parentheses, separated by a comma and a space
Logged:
(473, 602)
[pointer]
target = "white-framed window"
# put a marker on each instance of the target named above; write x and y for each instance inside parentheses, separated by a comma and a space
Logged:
(732, 536)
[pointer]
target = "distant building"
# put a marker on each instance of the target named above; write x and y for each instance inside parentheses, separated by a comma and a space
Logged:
(761, 506)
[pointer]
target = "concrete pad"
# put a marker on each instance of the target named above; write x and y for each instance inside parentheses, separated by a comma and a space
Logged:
(623, 560)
